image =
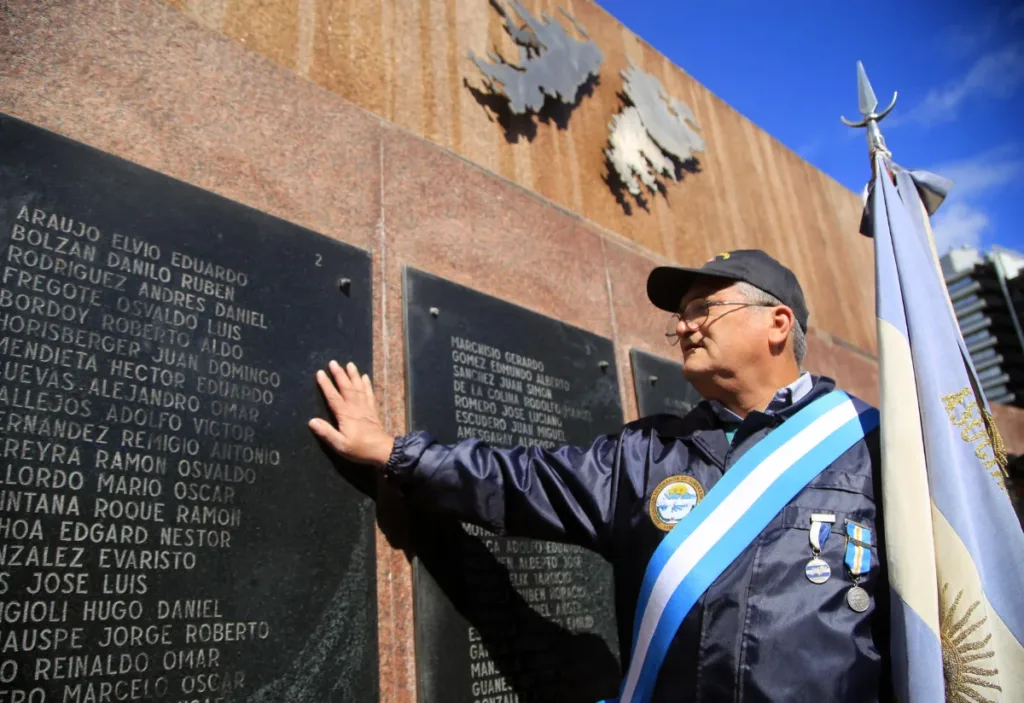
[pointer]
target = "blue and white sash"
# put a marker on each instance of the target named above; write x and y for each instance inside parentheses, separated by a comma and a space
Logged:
(734, 512)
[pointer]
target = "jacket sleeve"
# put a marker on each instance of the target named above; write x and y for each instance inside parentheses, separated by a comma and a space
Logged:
(565, 494)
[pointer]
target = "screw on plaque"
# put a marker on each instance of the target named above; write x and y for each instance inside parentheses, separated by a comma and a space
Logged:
(345, 285)
(603, 365)
(434, 312)
(652, 379)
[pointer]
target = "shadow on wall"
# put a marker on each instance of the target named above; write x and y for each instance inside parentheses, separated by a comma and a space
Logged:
(627, 199)
(541, 660)
(584, 665)
(518, 126)
(524, 125)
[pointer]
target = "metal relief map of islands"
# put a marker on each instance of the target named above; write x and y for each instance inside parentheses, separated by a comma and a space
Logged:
(655, 135)
(652, 137)
(551, 63)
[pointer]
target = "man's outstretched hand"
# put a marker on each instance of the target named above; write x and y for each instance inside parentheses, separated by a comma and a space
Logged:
(359, 436)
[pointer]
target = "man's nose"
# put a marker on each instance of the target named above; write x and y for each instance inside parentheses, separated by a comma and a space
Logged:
(685, 326)
(689, 337)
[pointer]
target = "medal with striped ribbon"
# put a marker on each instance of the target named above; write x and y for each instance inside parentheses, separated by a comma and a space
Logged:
(817, 569)
(858, 561)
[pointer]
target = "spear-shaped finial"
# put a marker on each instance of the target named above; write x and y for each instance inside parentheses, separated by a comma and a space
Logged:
(868, 103)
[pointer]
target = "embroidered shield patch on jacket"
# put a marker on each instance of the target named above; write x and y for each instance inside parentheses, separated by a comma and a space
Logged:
(673, 500)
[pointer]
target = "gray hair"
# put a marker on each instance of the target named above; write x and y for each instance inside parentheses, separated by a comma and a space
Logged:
(753, 294)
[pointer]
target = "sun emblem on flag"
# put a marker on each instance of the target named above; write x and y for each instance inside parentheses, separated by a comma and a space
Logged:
(965, 680)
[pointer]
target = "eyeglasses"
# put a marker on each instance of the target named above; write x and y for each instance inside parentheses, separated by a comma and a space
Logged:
(696, 314)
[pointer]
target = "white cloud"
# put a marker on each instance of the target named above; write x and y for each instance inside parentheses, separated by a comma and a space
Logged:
(962, 220)
(958, 224)
(982, 173)
(997, 74)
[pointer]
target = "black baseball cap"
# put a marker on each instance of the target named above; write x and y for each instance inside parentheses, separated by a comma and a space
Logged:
(667, 285)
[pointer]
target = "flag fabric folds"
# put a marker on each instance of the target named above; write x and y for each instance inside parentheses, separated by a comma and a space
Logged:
(953, 544)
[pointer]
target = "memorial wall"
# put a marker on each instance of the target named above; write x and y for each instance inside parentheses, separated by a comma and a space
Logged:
(410, 63)
(201, 203)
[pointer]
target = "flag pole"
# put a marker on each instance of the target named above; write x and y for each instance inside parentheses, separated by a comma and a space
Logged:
(868, 103)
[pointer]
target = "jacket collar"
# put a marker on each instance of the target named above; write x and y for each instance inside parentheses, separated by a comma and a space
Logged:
(709, 435)
(783, 398)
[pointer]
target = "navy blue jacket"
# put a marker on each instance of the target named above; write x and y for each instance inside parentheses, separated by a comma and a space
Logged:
(762, 631)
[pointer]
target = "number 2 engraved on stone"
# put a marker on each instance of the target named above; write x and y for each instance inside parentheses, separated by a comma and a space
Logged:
(319, 260)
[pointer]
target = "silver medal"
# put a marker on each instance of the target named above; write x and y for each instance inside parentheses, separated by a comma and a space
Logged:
(858, 599)
(817, 570)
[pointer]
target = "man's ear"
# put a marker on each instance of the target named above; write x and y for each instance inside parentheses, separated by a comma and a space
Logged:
(782, 322)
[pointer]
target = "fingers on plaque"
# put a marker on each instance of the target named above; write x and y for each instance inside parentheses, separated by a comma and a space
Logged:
(329, 390)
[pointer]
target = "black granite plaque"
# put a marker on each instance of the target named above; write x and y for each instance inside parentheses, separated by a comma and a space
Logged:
(502, 619)
(169, 528)
(660, 386)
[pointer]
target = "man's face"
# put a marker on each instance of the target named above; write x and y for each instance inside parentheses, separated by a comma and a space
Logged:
(729, 338)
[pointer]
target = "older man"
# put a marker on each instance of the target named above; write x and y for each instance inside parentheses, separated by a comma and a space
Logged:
(744, 537)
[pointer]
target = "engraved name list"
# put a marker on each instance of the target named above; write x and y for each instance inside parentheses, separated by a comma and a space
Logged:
(516, 619)
(131, 419)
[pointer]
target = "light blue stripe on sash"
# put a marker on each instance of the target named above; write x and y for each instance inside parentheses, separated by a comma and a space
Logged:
(747, 527)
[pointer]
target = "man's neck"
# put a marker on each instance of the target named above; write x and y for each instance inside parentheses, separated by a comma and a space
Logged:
(747, 395)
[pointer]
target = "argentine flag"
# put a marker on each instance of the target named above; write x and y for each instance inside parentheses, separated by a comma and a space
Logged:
(955, 549)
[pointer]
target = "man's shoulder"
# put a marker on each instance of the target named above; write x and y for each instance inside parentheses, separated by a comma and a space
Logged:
(862, 458)
(668, 425)
(873, 436)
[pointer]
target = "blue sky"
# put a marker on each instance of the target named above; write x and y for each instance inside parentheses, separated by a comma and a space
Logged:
(791, 68)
